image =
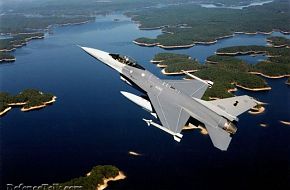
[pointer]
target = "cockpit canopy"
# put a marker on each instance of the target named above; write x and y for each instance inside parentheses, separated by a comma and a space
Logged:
(126, 60)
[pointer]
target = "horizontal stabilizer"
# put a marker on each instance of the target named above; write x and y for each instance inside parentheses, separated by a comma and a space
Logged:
(193, 88)
(235, 105)
(220, 138)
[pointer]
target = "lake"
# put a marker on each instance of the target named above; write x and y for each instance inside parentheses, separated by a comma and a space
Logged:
(91, 123)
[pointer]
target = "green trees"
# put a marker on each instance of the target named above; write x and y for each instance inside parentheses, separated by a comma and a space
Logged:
(216, 23)
(175, 62)
(169, 56)
(279, 41)
(96, 177)
(224, 71)
(277, 64)
(28, 98)
(6, 57)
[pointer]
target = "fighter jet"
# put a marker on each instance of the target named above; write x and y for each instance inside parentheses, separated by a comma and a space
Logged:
(174, 102)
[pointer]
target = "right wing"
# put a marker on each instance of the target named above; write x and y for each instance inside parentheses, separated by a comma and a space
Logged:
(219, 137)
(193, 88)
(171, 116)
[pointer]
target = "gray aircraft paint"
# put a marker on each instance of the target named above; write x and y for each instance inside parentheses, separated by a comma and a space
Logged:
(174, 101)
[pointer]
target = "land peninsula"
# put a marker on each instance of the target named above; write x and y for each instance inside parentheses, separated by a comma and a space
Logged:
(228, 72)
(22, 21)
(276, 66)
(6, 57)
(216, 23)
(29, 99)
(13, 42)
(97, 178)
(21, 29)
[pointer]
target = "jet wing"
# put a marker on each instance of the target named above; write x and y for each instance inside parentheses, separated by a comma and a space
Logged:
(220, 138)
(171, 116)
(236, 105)
(193, 88)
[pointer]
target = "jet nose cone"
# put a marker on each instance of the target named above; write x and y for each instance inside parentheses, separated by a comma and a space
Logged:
(94, 52)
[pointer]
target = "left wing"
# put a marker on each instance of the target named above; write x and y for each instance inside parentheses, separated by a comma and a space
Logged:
(171, 116)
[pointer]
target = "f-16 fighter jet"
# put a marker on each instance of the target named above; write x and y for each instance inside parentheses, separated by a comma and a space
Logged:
(173, 102)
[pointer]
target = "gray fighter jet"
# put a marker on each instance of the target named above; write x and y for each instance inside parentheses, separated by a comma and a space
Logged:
(174, 102)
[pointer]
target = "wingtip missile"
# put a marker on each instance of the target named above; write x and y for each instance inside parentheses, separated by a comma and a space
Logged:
(207, 82)
(176, 136)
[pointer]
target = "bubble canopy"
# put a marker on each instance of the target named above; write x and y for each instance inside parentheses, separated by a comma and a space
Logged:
(126, 60)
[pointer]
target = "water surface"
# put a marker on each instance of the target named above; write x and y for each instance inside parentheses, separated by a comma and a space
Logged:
(91, 123)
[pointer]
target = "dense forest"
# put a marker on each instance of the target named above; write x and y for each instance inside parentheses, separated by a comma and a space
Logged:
(27, 99)
(224, 71)
(227, 71)
(279, 41)
(216, 23)
(18, 40)
(278, 62)
(96, 177)
(6, 57)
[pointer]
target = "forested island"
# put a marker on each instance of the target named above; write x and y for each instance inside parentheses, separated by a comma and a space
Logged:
(15, 41)
(175, 63)
(180, 31)
(276, 66)
(28, 99)
(97, 178)
(18, 40)
(228, 72)
(277, 41)
(182, 28)
(22, 29)
(6, 57)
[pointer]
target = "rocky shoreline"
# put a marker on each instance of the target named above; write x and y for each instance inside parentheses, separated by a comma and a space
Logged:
(254, 89)
(120, 176)
(256, 111)
(39, 106)
(44, 104)
(177, 73)
(7, 60)
(267, 76)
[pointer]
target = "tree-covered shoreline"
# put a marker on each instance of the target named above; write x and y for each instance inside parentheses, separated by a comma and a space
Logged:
(228, 72)
(216, 23)
(94, 178)
(28, 99)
